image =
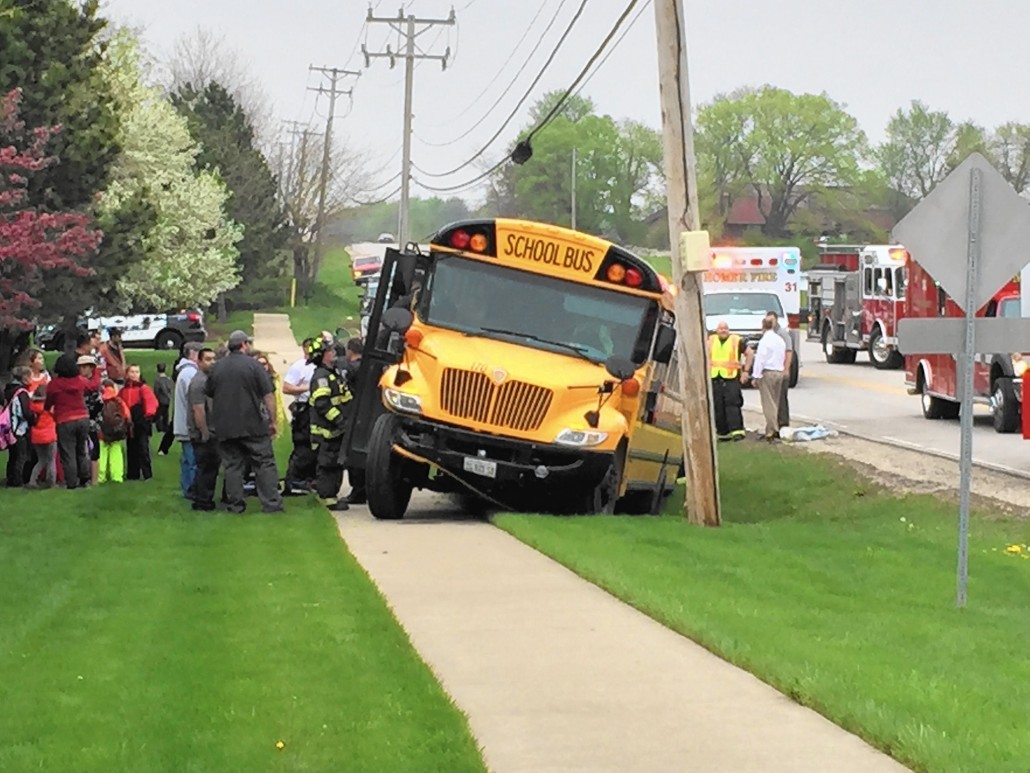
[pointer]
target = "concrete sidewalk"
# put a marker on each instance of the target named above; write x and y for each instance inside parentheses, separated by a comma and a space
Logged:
(274, 338)
(557, 675)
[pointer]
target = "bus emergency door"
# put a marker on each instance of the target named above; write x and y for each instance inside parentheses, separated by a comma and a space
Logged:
(400, 276)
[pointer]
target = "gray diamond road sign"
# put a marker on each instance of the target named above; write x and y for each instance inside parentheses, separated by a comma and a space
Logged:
(936, 234)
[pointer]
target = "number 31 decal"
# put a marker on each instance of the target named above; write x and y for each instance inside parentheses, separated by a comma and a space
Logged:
(791, 287)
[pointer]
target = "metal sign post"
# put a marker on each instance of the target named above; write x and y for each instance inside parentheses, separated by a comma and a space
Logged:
(968, 363)
(970, 234)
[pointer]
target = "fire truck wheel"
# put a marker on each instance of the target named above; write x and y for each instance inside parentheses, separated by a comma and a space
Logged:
(1005, 408)
(835, 355)
(881, 355)
(388, 491)
(933, 407)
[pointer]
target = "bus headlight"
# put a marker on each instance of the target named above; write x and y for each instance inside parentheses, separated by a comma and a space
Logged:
(580, 438)
(402, 401)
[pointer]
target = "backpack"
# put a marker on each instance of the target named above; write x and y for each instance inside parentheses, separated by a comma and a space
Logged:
(113, 425)
(12, 423)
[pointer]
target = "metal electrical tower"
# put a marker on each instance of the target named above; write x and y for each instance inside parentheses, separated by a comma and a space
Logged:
(335, 75)
(410, 27)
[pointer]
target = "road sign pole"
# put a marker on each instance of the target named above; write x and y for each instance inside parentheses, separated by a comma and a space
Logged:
(968, 357)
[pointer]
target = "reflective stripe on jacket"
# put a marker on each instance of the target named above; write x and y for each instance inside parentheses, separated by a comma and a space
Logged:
(328, 400)
(724, 356)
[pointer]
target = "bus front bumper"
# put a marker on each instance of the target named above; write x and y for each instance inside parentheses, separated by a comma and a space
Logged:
(490, 461)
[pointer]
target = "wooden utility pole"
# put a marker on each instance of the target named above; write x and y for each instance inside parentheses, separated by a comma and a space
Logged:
(410, 27)
(335, 75)
(702, 500)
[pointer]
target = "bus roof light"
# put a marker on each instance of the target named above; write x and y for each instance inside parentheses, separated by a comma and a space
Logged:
(616, 272)
(722, 261)
(478, 243)
(631, 387)
(634, 278)
(756, 261)
(460, 240)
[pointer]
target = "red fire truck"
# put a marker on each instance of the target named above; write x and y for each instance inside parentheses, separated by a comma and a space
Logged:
(855, 298)
(997, 378)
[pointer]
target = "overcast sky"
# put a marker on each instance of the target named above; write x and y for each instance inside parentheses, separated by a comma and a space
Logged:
(969, 58)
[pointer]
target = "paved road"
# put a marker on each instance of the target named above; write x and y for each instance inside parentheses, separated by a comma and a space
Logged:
(873, 402)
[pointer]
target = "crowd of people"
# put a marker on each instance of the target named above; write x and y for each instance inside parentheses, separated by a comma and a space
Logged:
(92, 420)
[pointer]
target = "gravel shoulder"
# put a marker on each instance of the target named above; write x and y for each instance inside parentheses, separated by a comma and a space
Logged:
(906, 471)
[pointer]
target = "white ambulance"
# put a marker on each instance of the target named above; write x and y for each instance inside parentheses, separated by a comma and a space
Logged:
(745, 283)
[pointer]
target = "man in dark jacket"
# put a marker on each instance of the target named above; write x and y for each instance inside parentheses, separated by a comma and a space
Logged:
(238, 387)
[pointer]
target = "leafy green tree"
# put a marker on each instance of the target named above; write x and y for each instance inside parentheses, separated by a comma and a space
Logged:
(1010, 146)
(188, 245)
(226, 138)
(969, 138)
(781, 146)
(918, 151)
(52, 51)
(574, 109)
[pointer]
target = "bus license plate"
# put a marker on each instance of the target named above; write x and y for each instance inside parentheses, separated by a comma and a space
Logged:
(481, 467)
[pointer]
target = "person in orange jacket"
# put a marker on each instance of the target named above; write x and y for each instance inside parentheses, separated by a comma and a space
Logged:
(142, 403)
(43, 435)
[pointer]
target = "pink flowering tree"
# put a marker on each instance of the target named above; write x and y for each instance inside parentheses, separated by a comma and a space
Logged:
(33, 243)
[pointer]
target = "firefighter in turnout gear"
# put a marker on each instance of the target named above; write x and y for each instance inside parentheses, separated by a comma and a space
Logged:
(329, 404)
(724, 352)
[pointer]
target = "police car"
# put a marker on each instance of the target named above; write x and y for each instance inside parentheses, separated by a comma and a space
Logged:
(167, 331)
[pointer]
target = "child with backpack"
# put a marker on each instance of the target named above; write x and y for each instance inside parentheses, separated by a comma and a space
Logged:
(114, 429)
(44, 440)
(16, 419)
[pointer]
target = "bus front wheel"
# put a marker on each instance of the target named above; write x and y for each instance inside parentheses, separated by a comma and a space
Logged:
(388, 491)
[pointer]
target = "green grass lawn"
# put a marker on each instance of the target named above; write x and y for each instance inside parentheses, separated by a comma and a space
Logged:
(218, 330)
(334, 300)
(840, 595)
(137, 635)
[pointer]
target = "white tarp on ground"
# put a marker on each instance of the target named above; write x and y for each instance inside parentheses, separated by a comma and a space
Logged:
(804, 434)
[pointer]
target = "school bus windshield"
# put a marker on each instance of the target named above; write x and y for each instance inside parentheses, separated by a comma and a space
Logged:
(538, 311)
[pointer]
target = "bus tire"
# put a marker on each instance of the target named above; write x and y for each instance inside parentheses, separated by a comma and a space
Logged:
(881, 355)
(388, 491)
(1005, 409)
(604, 497)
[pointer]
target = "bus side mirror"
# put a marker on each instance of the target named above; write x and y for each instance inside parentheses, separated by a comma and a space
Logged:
(664, 344)
(397, 320)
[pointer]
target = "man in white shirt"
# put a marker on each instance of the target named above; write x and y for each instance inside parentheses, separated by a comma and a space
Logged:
(300, 471)
(769, 374)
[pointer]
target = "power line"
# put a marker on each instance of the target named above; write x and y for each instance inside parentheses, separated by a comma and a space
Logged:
(554, 53)
(625, 32)
(554, 111)
(568, 92)
(497, 74)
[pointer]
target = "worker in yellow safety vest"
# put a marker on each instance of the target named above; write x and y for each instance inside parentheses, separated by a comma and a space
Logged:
(724, 352)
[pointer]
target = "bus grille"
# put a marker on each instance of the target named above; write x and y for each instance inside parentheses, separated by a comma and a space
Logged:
(513, 405)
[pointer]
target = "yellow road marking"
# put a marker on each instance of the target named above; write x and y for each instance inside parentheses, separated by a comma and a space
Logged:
(858, 384)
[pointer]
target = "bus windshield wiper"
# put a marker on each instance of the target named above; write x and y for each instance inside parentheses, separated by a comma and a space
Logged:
(581, 351)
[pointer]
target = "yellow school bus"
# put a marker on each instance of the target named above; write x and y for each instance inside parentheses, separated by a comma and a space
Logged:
(522, 365)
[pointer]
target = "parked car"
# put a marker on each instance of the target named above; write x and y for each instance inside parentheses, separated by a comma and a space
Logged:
(365, 266)
(168, 331)
(387, 239)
